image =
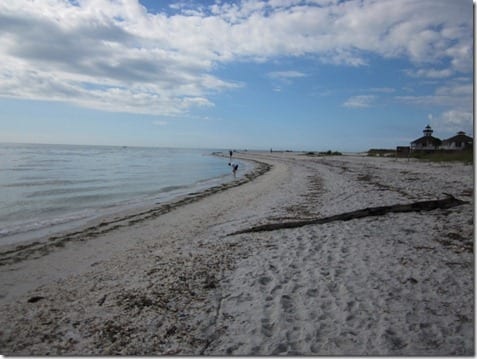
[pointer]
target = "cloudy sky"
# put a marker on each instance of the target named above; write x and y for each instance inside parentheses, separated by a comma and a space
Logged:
(282, 74)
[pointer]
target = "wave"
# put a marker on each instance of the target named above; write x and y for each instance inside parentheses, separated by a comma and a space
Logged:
(38, 224)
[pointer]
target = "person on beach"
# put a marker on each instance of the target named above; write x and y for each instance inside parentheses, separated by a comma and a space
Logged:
(234, 169)
(230, 154)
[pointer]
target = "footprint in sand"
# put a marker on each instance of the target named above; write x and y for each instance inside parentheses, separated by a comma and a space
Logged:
(286, 303)
(275, 289)
(312, 292)
(267, 327)
(280, 349)
(264, 280)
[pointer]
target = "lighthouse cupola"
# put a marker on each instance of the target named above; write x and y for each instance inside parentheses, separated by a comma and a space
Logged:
(428, 131)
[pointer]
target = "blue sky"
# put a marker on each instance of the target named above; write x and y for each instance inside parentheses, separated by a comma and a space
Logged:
(283, 74)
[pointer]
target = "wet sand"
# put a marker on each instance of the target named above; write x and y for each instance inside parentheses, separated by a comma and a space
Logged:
(174, 281)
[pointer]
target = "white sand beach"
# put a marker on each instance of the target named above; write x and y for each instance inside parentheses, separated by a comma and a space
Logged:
(174, 281)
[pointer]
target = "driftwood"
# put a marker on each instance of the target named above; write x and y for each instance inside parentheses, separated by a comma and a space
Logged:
(448, 202)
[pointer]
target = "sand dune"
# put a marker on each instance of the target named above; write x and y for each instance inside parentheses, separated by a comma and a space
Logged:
(179, 283)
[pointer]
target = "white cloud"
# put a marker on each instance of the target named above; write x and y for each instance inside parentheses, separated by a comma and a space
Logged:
(281, 75)
(284, 78)
(361, 101)
(382, 89)
(116, 56)
(452, 121)
(457, 101)
(457, 118)
(456, 95)
(430, 73)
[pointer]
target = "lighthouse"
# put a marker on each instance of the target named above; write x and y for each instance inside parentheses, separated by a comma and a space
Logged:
(428, 131)
(426, 142)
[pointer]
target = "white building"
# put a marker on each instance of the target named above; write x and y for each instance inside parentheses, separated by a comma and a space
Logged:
(459, 142)
(426, 142)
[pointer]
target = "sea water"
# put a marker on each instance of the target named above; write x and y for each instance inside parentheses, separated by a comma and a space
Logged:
(47, 188)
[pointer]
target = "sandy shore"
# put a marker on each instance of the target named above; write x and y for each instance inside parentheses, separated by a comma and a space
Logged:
(173, 281)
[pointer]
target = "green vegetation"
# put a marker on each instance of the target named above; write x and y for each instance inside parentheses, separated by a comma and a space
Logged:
(466, 156)
(327, 153)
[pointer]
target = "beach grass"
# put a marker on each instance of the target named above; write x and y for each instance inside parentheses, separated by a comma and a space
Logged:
(466, 156)
(326, 153)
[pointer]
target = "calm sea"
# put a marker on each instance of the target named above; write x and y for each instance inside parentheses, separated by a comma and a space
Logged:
(49, 188)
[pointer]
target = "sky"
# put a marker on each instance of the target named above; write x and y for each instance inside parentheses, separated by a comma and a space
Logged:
(344, 75)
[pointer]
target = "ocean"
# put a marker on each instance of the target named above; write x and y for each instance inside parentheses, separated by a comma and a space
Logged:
(45, 189)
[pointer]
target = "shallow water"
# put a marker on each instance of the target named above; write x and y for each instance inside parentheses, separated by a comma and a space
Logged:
(44, 188)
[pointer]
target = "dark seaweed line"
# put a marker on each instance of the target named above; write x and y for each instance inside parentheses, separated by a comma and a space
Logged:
(38, 249)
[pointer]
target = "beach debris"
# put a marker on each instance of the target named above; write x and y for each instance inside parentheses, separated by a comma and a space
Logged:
(102, 299)
(172, 352)
(411, 280)
(210, 282)
(448, 202)
(172, 330)
(35, 299)
(457, 242)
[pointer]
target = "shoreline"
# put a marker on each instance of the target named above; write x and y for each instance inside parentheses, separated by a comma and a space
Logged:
(13, 252)
(40, 207)
(179, 283)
